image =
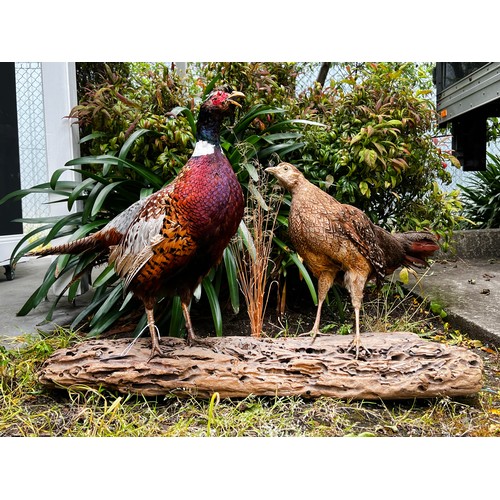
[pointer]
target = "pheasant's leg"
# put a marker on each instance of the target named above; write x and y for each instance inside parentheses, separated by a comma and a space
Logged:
(153, 331)
(191, 337)
(356, 343)
(325, 282)
(355, 283)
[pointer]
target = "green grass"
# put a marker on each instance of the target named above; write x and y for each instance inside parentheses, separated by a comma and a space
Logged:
(29, 409)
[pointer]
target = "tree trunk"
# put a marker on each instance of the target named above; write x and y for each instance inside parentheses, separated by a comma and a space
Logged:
(323, 72)
(400, 365)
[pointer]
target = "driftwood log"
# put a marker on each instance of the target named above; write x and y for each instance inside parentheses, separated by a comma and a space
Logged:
(400, 365)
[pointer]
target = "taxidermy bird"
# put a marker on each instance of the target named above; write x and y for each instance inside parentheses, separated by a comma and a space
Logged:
(338, 241)
(165, 244)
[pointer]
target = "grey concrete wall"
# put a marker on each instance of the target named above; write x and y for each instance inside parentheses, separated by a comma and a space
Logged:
(474, 244)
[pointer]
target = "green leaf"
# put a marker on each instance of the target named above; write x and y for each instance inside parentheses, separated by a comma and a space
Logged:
(247, 239)
(107, 275)
(105, 322)
(69, 220)
(176, 317)
(297, 261)
(98, 298)
(232, 279)
(130, 142)
(257, 110)
(281, 136)
(281, 149)
(403, 275)
(101, 197)
(40, 188)
(85, 185)
(213, 300)
(41, 292)
(364, 189)
(252, 171)
(108, 305)
(92, 136)
(188, 114)
(55, 177)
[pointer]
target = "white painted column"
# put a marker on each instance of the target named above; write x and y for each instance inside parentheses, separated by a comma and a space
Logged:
(59, 96)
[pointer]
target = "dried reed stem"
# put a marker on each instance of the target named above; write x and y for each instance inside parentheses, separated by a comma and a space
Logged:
(252, 256)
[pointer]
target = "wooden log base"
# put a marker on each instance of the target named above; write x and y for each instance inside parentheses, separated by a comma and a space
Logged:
(400, 365)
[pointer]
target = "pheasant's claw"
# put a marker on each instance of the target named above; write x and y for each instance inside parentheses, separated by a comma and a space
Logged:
(156, 351)
(192, 339)
(312, 333)
(155, 344)
(356, 345)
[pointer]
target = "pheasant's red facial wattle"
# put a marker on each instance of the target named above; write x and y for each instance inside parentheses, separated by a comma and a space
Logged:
(219, 98)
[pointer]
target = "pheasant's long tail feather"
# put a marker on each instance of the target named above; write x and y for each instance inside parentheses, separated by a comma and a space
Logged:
(75, 247)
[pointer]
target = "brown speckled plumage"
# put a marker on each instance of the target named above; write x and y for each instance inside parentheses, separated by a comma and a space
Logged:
(339, 242)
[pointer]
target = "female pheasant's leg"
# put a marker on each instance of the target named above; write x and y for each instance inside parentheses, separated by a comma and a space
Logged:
(153, 331)
(355, 283)
(191, 337)
(325, 282)
(356, 343)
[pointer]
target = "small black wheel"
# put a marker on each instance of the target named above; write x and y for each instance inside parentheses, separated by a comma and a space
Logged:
(9, 272)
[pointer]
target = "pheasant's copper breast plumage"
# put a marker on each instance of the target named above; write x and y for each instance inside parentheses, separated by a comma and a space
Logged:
(181, 231)
(165, 244)
(339, 242)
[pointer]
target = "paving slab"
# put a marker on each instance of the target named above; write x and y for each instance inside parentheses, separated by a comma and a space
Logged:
(14, 293)
(469, 292)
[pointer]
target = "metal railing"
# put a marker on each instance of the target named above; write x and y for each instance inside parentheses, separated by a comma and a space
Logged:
(31, 126)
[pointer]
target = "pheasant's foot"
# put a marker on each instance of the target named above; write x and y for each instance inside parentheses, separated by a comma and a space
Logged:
(192, 339)
(156, 351)
(312, 333)
(356, 346)
(155, 344)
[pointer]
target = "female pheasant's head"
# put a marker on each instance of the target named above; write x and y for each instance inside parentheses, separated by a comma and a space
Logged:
(287, 175)
(219, 104)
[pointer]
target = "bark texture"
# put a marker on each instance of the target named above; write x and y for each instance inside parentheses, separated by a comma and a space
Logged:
(400, 365)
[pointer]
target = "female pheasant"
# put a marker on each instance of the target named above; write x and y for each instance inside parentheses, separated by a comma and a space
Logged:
(339, 241)
(165, 244)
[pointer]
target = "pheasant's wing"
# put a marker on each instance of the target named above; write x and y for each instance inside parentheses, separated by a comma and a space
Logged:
(158, 235)
(113, 232)
(123, 220)
(355, 225)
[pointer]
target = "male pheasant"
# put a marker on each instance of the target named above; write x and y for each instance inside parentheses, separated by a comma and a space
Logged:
(339, 241)
(165, 244)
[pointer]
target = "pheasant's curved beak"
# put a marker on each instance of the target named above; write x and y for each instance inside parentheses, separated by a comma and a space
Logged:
(234, 94)
(271, 170)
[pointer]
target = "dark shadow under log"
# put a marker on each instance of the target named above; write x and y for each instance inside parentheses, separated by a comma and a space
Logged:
(400, 365)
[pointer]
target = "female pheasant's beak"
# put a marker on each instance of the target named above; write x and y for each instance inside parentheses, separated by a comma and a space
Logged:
(275, 172)
(234, 94)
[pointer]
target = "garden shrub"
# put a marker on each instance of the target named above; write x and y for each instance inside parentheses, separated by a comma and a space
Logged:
(481, 196)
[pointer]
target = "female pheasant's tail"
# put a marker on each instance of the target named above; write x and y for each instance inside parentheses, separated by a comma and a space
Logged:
(419, 246)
